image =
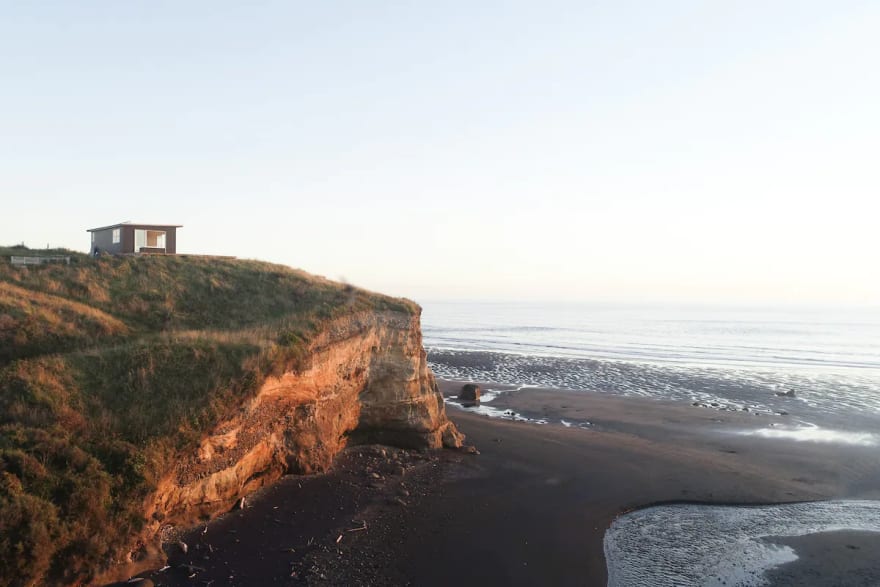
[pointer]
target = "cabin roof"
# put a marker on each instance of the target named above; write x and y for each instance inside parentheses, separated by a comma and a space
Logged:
(135, 225)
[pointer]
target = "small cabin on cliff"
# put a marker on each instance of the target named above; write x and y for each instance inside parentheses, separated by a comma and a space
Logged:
(130, 238)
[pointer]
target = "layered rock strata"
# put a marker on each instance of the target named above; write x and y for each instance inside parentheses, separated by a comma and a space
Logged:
(366, 380)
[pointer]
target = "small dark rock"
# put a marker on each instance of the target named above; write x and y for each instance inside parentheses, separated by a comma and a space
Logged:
(470, 392)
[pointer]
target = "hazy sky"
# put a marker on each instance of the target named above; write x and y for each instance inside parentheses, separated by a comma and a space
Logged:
(710, 151)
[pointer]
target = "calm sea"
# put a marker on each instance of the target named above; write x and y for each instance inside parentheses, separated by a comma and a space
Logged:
(732, 358)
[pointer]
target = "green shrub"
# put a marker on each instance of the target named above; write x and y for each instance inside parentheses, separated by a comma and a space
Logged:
(29, 528)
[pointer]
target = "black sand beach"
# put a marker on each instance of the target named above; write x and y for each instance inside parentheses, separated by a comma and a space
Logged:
(532, 507)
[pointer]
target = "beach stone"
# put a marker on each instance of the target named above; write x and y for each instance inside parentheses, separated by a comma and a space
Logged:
(470, 392)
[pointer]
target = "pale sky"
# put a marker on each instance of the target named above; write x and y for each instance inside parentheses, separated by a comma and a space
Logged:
(555, 150)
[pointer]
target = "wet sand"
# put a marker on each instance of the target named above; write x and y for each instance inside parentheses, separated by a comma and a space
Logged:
(530, 509)
(830, 559)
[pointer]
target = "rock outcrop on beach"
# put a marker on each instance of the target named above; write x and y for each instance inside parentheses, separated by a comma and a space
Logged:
(141, 393)
(470, 392)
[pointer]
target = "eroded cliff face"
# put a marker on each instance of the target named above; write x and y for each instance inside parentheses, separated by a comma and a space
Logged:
(366, 380)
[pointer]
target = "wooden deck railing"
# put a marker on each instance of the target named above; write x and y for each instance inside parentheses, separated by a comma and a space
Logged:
(16, 260)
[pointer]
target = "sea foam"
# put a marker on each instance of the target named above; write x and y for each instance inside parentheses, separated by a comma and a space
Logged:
(817, 434)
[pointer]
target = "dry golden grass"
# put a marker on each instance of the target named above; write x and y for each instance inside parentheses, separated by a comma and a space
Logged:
(110, 367)
(34, 323)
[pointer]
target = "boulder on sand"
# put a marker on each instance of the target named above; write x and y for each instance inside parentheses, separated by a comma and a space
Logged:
(470, 392)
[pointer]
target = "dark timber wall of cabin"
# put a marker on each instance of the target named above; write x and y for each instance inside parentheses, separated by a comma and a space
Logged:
(104, 238)
(104, 242)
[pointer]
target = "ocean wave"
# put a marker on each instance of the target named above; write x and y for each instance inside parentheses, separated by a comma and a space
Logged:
(827, 339)
(756, 357)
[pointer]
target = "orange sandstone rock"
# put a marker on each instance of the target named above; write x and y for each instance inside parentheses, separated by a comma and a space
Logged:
(366, 379)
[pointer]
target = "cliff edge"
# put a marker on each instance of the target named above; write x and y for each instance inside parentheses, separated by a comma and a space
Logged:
(366, 379)
(137, 393)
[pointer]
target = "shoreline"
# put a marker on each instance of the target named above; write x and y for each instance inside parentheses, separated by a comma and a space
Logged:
(767, 471)
(813, 398)
(531, 508)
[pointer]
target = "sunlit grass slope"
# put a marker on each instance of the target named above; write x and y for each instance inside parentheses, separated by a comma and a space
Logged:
(111, 366)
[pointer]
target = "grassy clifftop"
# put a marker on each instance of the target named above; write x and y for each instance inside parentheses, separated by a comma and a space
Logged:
(109, 367)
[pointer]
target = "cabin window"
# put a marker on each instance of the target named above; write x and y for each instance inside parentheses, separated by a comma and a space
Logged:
(115, 236)
(150, 239)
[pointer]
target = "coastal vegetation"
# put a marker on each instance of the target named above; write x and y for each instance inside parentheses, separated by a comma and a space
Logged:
(111, 366)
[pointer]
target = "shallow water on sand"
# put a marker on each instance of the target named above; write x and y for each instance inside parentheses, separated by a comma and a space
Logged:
(690, 545)
(723, 358)
(832, 400)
